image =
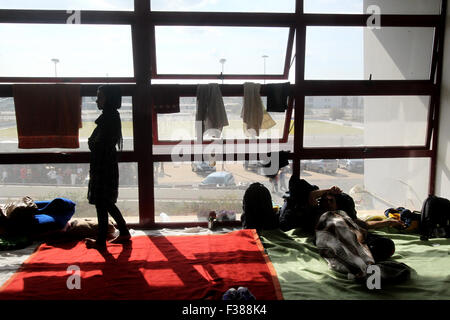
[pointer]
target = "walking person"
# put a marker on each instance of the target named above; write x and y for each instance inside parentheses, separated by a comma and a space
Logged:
(103, 186)
(283, 186)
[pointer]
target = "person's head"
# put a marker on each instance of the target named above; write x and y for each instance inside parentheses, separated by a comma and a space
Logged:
(341, 201)
(328, 202)
(109, 97)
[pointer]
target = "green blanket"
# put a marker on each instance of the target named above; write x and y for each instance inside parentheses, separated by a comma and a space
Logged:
(304, 274)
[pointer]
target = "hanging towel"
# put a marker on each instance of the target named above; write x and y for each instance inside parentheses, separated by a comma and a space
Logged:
(47, 115)
(252, 110)
(277, 96)
(166, 99)
(210, 108)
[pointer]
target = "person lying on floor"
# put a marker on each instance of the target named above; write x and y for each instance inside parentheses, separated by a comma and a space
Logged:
(342, 205)
(301, 208)
(25, 220)
(36, 218)
(344, 241)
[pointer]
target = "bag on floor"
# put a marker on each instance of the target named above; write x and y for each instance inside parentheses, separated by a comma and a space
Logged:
(258, 212)
(435, 218)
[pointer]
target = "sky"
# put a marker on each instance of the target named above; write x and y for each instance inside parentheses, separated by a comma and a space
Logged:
(106, 51)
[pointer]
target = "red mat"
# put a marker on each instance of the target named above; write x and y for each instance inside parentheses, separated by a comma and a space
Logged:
(153, 268)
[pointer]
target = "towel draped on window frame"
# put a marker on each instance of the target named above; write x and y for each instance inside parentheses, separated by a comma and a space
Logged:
(254, 116)
(211, 112)
(48, 115)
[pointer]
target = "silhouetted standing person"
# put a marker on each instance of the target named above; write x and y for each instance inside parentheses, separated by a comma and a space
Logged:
(104, 170)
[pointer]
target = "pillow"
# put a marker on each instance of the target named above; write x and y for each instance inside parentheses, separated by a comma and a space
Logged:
(44, 218)
(60, 209)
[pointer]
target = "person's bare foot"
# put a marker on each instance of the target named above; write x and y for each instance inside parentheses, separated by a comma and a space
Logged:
(121, 239)
(94, 244)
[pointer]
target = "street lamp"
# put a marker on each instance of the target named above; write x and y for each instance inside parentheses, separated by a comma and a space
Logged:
(55, 61)
(264, 59)
(222, 61)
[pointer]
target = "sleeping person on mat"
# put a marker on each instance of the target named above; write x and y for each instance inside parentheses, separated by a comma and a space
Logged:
(26, 218)
(322, 213)
(347, 245)
(306, 203)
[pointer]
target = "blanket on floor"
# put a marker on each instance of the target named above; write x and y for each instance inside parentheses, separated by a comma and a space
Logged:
(148, 267)
(304, 274)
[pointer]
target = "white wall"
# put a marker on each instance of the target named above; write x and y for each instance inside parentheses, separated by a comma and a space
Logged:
(443, 164)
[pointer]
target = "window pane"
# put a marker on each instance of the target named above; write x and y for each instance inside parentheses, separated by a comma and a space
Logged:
(199, 50)
(361, 6)
(374, 184)
(68, 5)
(89, 113)
(181, 126)
(336, 121)
(356, 53)
(82, 50)
(224, 5)
(49, 181)
(183, 194)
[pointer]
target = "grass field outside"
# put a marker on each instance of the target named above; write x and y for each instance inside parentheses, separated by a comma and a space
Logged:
(167, 129)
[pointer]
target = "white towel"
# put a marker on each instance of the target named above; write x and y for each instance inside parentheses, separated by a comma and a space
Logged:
(252, 110)
(211, 109)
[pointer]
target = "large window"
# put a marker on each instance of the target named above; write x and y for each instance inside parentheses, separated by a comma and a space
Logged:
(357, 91)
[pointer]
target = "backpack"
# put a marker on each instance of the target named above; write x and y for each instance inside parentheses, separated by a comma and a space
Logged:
(435, 218)
(258, 212)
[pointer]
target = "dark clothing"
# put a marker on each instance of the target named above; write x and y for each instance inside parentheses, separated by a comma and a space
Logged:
(296, 211)
(104, 170)
(277, 95)
(102, 216)
(381, 248)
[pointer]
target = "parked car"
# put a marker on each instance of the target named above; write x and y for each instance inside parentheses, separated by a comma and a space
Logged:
(221, 179)
(202, 167)
(322, 166)
(353, 165)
